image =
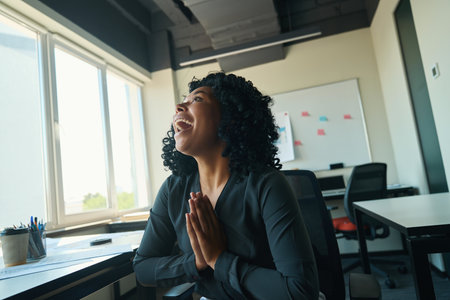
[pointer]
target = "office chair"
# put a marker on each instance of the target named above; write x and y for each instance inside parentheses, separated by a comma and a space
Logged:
(367, 182)
(321, 232)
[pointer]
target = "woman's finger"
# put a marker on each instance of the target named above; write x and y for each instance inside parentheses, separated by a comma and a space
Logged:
(195, 214)
(203, 215)
(199, 259)
(208, 214)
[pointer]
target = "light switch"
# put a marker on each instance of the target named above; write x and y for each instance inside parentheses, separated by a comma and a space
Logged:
(435, 71)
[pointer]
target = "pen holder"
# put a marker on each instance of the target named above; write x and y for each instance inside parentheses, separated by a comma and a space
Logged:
(37, 246)
(14, 246)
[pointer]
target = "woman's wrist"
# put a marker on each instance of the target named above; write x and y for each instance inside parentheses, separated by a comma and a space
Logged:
(200, 265)
(212, 262)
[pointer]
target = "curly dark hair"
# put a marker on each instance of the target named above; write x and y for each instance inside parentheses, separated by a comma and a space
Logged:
(247, 126)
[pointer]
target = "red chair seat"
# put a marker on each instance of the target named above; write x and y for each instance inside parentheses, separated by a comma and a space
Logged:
(343, 224)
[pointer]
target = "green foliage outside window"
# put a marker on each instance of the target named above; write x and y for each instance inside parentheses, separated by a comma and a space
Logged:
(125, 200)
(98, 201)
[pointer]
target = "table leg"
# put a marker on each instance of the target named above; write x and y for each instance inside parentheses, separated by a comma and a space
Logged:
(421, 271)
(364, 256)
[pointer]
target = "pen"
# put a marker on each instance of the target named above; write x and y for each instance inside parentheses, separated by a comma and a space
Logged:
(32, 223)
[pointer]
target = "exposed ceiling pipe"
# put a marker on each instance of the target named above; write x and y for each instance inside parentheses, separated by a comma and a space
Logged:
(251, 46)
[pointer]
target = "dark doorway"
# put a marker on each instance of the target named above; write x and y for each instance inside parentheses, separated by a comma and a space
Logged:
(420, 98)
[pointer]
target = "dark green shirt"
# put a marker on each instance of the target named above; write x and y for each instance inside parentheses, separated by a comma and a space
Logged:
(269, 255)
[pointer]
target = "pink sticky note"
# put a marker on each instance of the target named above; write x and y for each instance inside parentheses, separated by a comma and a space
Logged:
(305, 114)
(320, 131)
(347, 116)
(297, 143)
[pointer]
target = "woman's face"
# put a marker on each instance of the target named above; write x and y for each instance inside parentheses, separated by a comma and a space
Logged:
(196, 123)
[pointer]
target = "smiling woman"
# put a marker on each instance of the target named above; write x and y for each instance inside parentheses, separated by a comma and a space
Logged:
(231, 212)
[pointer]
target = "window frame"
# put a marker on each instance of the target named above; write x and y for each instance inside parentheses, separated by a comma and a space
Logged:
(57, 41)
(47, 41)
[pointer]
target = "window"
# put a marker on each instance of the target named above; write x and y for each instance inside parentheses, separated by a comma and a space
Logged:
(127, 143)
(81, 142)
(71, 130)
(21, 157)
(101, 170)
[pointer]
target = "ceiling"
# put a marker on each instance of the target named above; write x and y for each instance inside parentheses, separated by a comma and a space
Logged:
(172, 33)
(200, 29)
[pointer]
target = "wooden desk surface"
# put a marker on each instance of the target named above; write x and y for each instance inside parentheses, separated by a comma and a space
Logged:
(412, 215)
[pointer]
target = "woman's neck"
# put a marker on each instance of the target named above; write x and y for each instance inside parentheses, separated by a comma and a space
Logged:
(214, 174)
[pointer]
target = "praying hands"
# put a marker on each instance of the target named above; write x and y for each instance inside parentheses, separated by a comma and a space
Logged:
(207, 238)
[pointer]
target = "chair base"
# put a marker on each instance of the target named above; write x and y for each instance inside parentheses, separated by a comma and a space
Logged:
(389, 282)
(364, 287)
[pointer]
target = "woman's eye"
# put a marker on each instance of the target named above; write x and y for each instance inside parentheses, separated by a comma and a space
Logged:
(198, 99)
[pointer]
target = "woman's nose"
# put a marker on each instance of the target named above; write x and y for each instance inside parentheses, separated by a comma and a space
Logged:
(180, 108)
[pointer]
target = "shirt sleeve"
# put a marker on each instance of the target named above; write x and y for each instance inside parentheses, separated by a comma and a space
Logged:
(295, 273)
(155, 263)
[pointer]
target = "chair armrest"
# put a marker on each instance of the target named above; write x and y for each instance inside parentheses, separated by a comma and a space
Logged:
(364, 287)
(182, 291)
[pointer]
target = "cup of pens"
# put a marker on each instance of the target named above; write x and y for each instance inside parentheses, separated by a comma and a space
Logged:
(37, 247)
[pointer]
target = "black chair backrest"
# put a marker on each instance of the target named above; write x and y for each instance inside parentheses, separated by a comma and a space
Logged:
(321, 232)
(331, 182)
(367, 182)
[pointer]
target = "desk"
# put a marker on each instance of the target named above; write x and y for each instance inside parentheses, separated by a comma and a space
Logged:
(393, 190)
(424, 221)
(78, 280)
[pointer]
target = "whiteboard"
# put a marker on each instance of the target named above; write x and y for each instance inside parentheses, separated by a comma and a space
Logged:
(327, 125)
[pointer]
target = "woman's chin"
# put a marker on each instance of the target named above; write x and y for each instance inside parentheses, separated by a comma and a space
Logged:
(181, 147)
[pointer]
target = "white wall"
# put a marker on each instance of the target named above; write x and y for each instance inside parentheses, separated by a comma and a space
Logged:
(433, 26)
(321, 61)
(399, 111)
(159, 107)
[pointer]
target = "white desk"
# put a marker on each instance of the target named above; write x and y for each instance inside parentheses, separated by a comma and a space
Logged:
(77, 280)
(424, 221)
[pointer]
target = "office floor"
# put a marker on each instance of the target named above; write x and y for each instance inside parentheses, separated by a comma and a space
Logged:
(405, 285)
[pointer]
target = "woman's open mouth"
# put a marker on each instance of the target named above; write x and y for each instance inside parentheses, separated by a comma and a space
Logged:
(182, 125)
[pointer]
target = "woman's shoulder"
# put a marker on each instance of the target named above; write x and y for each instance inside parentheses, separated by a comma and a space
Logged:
(266, 177)
(174, 189)
(267, 173)
(173, 182)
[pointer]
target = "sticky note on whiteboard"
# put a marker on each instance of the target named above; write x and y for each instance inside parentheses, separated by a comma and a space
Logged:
(347, 116)
(297, 143)
(320, 131)
(305, 114)
(323, 119)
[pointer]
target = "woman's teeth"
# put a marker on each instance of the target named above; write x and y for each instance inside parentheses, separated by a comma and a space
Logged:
(182, 124)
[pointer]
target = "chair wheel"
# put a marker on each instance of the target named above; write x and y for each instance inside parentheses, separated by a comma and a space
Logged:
(402, 269)
(389, 283)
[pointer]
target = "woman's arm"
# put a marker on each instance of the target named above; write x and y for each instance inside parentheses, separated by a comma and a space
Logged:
(155, 263)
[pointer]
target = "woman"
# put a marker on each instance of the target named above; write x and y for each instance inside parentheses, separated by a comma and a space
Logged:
(233, 215)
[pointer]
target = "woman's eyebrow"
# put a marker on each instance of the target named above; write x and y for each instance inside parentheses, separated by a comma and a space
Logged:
(201, 92)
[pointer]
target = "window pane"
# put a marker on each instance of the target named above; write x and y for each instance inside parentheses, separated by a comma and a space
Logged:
(81, 134)
(22, 191)
(127, 143)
